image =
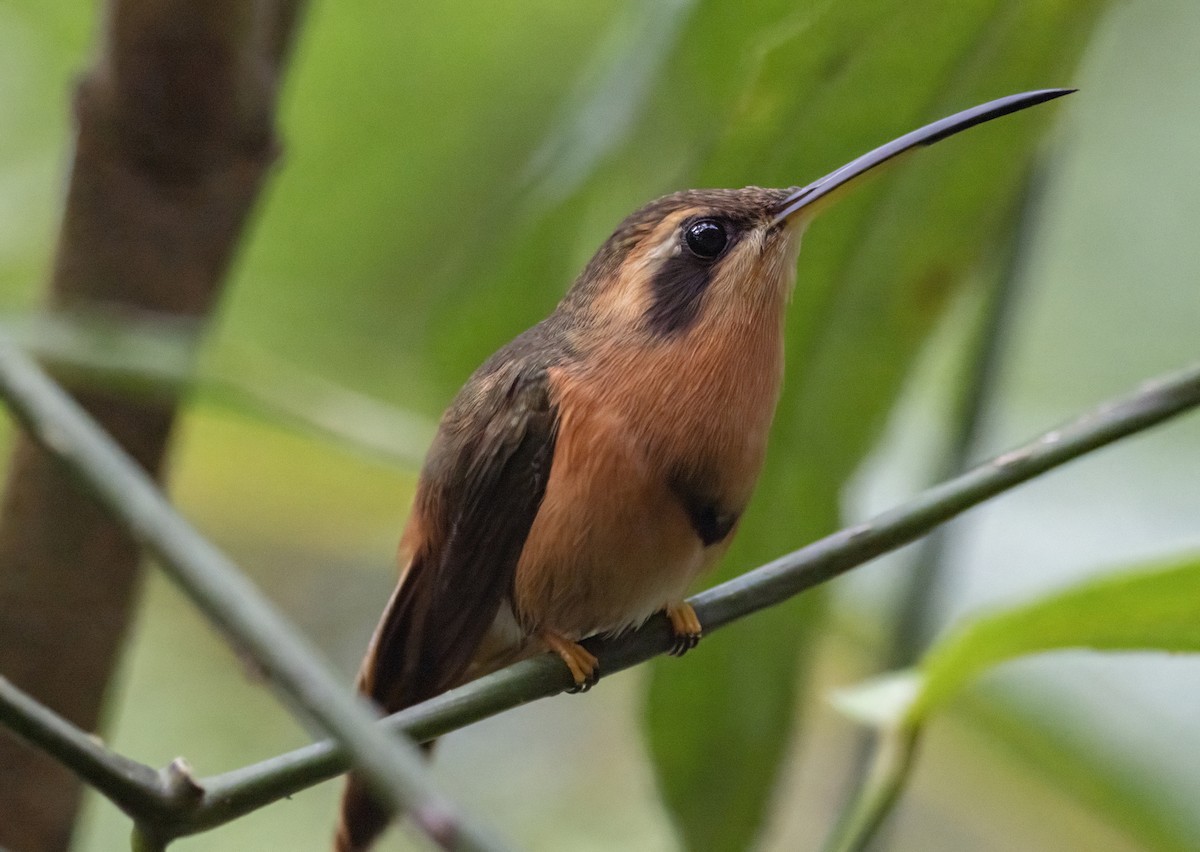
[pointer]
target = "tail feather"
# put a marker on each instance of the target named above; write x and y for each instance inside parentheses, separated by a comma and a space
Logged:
(362, 818)
(395, 676)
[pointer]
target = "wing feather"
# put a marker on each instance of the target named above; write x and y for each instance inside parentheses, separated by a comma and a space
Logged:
(476, 502)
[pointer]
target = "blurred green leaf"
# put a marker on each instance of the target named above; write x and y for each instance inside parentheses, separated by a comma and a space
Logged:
(1056, 746)
(824, 85)
(1154, 607)
(607, 102)
(403, 128)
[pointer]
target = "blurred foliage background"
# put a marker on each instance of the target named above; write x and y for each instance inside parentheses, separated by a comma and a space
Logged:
(449, 167)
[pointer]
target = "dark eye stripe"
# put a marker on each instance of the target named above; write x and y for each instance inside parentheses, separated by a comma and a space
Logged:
(677, 289)
(678, 286)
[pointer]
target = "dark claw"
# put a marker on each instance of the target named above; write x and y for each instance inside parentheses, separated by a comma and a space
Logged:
(587, 684)
(684, 642)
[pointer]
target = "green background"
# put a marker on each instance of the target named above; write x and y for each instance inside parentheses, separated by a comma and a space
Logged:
(448, 168)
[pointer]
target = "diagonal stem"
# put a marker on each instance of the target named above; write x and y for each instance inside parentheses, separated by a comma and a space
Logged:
(233, 794)
(1156, 401)
(173, 138)
(882, 785)
(393, 765)
(131, 786)
(215, 801)
(974, 396)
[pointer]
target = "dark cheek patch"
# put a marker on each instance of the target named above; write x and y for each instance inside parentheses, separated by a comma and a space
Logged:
(676, 293)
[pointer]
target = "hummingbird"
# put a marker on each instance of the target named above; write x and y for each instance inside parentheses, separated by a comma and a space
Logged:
(593, 468)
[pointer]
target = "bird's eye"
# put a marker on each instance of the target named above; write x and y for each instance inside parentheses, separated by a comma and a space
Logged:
(706, 238)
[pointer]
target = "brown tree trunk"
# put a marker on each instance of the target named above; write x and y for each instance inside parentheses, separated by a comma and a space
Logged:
(174, 137)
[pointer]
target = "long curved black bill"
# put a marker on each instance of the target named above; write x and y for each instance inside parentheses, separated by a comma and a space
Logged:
(927, 135)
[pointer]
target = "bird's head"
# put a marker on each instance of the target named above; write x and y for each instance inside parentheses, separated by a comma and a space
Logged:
(730, 253)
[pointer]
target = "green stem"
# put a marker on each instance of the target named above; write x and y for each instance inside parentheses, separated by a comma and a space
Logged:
(142, 840)
(131, 786)
(392, 765)
(885, 778)
(973, 397)
(155, 357)
(233, 794)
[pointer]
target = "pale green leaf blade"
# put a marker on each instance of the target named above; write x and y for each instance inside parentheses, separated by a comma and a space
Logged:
(825, 83)
(1154, 608)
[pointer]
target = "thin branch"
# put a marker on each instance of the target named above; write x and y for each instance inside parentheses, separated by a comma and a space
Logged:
(971, 397)
(233, 794)
(131, 786)
(154, 356)
(235, 605)
(1156, 401)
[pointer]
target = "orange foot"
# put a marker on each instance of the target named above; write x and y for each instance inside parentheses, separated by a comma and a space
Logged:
(585, 668)
(686, 627)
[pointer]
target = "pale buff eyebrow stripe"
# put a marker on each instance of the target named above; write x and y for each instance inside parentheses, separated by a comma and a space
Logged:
(629, 297)
(665, 237)
(659, 243)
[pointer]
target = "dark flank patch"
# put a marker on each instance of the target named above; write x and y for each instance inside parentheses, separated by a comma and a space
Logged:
(677, 291)
(711, 523)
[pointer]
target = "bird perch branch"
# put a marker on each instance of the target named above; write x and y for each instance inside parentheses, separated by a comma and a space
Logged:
(132, 786)
(235, 606)
(231, 601)
(173, 138)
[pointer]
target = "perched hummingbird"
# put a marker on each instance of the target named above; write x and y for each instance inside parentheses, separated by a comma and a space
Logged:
(594, 467)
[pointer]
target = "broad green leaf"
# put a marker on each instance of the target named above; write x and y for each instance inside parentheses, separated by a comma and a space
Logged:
(403, 128)
(1156, 608)
(1152, 608)
(825, 84)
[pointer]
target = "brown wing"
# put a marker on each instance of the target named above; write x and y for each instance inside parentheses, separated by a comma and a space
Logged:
(477, 499)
